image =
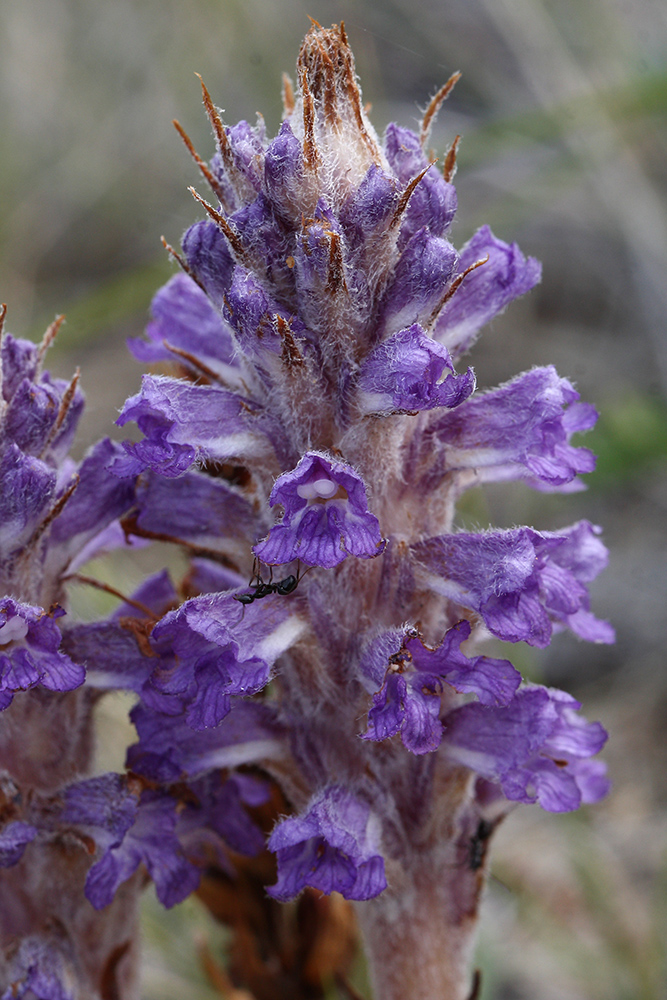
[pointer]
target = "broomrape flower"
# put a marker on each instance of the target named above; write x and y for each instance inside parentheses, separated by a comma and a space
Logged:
(308, 457)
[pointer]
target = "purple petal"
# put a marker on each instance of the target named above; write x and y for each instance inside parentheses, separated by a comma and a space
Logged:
(207, 254)
(519, 580)
(536, 749)
(169, 748)
(485, 291)
(409, 371)
(97, 501)
(184, 316)
(37, 969)
(33, 418)
(283, 171)
(183, 423)
(105, 803)
(332, 847)
(29, 650)
(19, 360)
(27, 490)
(366, 214)
(493, 681)
(198, 509)
(151, 840)
(418, 284)
(222, 650)
(14, 838)
(433, 202)
(520, 430)
(111, 655)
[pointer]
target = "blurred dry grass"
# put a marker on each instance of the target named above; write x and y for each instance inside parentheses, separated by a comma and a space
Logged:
(563, 112)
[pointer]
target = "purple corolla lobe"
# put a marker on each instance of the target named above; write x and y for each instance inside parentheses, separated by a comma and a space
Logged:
(521, 581)
(29, 652)
(185, 318)
(221, 650)
(326, 516)
(14, 838)
(408, 372)
(412, 676)
(39, 968)
(536, 749)
(486, 291)
(521, 430)
(185, 423)
(130, 826)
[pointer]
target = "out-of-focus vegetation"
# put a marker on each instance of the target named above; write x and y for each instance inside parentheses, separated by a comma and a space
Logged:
(563, 112)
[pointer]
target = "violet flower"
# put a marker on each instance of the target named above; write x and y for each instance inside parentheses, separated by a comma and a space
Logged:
(324, 652)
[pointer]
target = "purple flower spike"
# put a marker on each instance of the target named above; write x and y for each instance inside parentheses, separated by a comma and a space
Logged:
(320, 407)
(409, 372)
(29, 652)
(521, 430)
(326, 516)
(486, 291)
(333, 847)
(536, 749)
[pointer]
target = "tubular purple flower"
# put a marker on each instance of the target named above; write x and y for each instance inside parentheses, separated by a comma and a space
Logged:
(332, 847)
(326, 516)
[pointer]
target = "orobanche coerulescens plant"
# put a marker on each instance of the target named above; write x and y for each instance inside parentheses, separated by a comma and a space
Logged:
(321, 743)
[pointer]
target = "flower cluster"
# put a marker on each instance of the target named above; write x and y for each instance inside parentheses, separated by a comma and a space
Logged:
(314, 441)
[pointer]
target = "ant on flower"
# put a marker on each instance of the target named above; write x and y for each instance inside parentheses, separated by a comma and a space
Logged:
(262, 589)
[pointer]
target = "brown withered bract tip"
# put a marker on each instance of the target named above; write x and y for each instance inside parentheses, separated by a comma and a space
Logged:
(203, 167)
(449, 167)
(434, 106)
(233, 237)
(180, 260)
(407, 194)
(310, 154)
(221, 138)
(49, 337)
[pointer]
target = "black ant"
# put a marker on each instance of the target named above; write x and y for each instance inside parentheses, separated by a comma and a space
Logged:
(261, 589)
(479, 843)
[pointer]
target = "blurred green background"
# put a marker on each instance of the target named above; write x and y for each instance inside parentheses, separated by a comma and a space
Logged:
(563, 112)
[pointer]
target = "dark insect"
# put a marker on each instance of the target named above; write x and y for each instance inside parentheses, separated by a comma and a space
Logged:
(260, 588)
(479, 843)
